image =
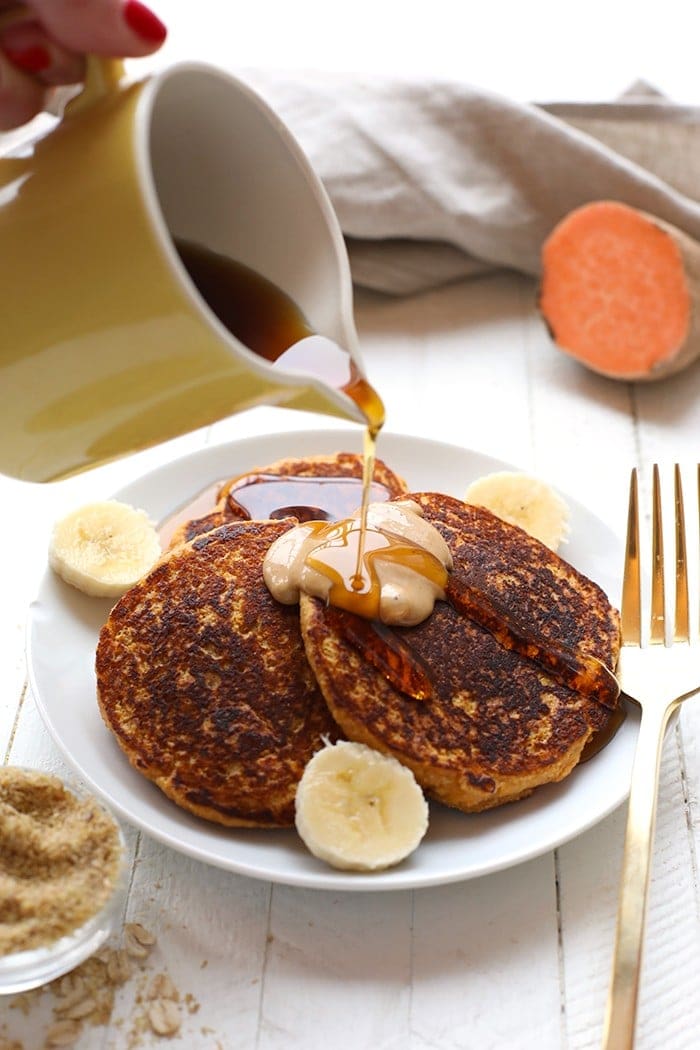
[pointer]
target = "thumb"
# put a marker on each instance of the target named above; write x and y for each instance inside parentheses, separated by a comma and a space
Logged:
(105, 27)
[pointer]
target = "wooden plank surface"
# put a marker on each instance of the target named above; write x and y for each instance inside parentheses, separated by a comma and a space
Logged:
(517, 959)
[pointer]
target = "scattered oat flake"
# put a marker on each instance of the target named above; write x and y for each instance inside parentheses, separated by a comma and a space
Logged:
(79, 1011)
(136, 950)
(25, 1001)
(136, 943)
(86, 995)
(118, 966)
(71, 998)
(140, 934)
(63, 1033)
(162, 987)
(70, 985)
(164, 1016)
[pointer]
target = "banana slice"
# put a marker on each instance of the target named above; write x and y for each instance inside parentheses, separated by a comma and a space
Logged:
(104, 548)
(524, 501)
(358, 809)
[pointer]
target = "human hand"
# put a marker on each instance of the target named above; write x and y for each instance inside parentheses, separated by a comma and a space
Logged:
(43, 44)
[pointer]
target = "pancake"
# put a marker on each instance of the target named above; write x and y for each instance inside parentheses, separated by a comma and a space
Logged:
(528, 596)
(260, 494)
(202, 678)
(498, 723)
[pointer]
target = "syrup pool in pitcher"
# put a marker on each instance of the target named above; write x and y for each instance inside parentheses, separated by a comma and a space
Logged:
(268, 321)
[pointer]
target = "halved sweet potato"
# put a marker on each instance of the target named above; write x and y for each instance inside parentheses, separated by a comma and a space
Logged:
(619, 290)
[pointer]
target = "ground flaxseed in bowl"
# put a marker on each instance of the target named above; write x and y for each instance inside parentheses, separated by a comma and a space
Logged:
(61, 877)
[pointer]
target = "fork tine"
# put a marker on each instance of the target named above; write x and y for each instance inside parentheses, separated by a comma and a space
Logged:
(657, 628)
(631, 605)
(682, 628)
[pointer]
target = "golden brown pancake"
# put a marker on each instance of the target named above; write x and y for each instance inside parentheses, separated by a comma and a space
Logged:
(498, 723)
(528, 596)
(202, 678)
(260, 490)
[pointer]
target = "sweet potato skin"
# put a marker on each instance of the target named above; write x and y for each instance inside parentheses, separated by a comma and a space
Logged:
(645, 310)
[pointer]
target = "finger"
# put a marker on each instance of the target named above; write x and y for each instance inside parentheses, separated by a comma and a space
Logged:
(29, 48)
(21, 96)
(105, 27)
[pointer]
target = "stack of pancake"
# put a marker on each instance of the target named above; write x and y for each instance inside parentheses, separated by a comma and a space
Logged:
(220, 695)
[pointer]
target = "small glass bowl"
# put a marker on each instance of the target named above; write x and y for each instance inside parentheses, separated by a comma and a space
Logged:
(23, 970)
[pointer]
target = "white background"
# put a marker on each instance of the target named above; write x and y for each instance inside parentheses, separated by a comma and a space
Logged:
(541, 51)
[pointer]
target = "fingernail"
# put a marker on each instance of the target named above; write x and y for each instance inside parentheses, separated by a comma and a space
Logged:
(31, 59)
(142, 20)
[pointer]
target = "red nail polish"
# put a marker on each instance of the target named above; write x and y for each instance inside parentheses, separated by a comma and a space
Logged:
(142, 20)
(31, 59)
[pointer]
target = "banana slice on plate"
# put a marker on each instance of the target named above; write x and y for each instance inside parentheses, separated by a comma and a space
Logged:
(525, 501)
(104, 548)
(358, 809)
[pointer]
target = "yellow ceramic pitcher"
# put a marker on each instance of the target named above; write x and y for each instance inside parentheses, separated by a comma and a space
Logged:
(106, 346)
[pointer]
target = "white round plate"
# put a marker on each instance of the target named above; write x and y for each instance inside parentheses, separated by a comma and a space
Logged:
(63, 630)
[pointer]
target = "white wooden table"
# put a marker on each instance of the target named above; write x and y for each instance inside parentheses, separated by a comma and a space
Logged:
(518, 959)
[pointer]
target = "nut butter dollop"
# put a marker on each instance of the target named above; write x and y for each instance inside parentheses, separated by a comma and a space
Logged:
(403, 565)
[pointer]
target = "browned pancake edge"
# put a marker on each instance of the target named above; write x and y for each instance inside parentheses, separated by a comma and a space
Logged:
(202, 678)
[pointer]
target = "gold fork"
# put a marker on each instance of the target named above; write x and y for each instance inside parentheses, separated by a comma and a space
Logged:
(659, 673)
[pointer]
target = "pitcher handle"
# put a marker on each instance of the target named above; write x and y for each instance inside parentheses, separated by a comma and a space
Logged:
(102, 73)
(102, 76)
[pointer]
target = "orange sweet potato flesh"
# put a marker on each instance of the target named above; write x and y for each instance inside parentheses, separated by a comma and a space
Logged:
(617, 291)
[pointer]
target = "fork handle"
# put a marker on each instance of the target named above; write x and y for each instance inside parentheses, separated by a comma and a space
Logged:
(618, 1032)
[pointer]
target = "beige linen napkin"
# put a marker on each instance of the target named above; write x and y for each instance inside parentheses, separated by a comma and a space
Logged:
(434, 180)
